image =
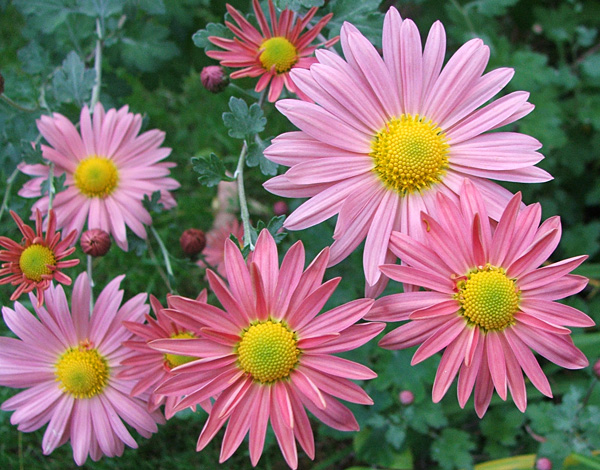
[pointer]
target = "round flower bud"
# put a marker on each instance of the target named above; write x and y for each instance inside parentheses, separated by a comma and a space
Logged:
(213, 78)
(596, 368)
(192, 241)
(543, 464)
(95, 242)
(280, 208)
(406, 397)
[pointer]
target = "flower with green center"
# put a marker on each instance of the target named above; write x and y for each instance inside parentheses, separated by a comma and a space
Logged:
(271, 53)
(269, 354)
(96, 176)
(38, 259)
(68, 364)
(488, 298)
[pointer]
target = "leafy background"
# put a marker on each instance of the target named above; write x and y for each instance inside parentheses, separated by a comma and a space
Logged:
(152, 64)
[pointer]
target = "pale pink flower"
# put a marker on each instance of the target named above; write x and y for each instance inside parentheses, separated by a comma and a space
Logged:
(267, 355)
(214, 252)
(386, 135)
(486, 301)
(149, 367)
(109, 169)
(68, 364)
(273, 51)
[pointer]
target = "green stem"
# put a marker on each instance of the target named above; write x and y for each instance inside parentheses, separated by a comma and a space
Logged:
(50, 184)
(465, 15)
(9, 183)
(91, 281)
(239, 175)
(15, 105)
(97, 65)
(590, 462)
(165, 254)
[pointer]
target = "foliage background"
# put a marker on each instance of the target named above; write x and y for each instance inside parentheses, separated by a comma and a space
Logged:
(151, 64)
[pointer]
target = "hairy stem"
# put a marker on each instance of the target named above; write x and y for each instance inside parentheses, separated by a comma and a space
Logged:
(165, 254)
(97, 65)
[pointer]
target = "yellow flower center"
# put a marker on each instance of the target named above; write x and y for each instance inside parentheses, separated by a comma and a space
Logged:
(489, 299)
(34, 261)
(96, 176)
(267, 351)
(82, 372)
(278, 52)
(174, 360)
(410, 154)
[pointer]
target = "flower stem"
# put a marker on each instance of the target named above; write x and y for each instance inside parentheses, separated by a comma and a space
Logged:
(91, 281)
(15, 105)
(239, 175)
(50, 184)
(97, 65)
(465, 15)
(167, 278)
(9, 183)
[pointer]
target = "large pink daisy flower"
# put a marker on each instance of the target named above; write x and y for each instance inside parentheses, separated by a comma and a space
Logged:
(68, 365)
(487, 300)
(386, 135)
(268, 355)
(109, 168)
(38, 259)
(274, 50)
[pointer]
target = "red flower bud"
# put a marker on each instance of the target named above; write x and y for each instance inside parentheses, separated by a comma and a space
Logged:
(95, 242)
(280, 208)
(213, 78)
(192, 241)
(543, 464)
(406, 397)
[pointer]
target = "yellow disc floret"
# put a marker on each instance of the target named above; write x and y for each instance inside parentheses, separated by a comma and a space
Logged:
(410, 154)
(82, 372)
(96, 176)
(267, 351)
(489, 298)
(174, 360)
(34, 261)
(278, 52)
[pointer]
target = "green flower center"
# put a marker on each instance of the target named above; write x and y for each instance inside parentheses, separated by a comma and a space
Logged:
(82, 372)
(268, 351)
(34, 261)
(488, 298)
(96, 176)
(410, 154)
(278, 52)
(174, 360)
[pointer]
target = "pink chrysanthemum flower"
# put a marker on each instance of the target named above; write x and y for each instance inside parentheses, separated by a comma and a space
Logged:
(487, 300)
(149, 367)
(38, 259)
(214, 252)
(109, 169)
(268, 355)
(69, 366)
(273, 51)
(386, 135)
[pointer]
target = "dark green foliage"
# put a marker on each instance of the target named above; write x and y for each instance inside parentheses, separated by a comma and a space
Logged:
(243, 121)
(211, 170)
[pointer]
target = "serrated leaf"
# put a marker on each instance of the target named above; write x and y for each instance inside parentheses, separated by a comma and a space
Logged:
(295, 5)
(364, 15)
(149, 48)
(452, 450)
(211, 170)
(152, 7)
(34, 59)
(73, 82)
(200, 37)
(491, 7)
(256, 157)
(100, 8)
(243, 121)
(274, 226)
(53, 12)
(153, 204)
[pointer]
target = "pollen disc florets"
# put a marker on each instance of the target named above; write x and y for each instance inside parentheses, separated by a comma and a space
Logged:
(82, 372)
(488, 298)
(278, 52)
(267, 351)
(34, 261)
(96, 176)
(410, 154)
(174, 360)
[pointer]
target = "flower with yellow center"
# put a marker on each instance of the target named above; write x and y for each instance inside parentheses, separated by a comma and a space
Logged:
(174, 360)
(489, 299)
(96, 176)
(410, 154)
(82, 372)
(278, 53)
(34, 261)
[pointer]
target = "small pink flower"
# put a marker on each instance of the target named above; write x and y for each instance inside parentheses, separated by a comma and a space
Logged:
(267, 355)
(272, 52)
(487, 301)
(69, 364)
(109, 169)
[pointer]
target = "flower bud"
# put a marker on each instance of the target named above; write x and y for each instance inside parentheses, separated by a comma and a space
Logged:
(280, 208)
(95, 242)
(596, 368)
(543, 463)
(192, 241)
(406, 397)
(213, 78)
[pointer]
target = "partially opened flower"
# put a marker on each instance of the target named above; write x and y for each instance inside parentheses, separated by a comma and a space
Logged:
(273, 51)
(386, 135)
(109, 169)
(149, 367)
(68, 364)
(487, 300)
(38, 259)
(267, 355)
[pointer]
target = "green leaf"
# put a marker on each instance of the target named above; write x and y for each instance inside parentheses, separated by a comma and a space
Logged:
(364, 15)
(34, 58)
(152, 7)
(149, 48)
(274, 226)
(100, 8)
(52, 13)
(491, 7)
(73, 82)
(591, 66)
(256, 157)
(200, 37)
(152, 204)
(452, 450)
(211, 170)
(587, 460)
(243, 121)
(295, 5)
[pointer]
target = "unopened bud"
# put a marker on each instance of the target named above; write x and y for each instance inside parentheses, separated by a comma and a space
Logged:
(213, 78)
(192, 241)
(280, 208)
(596, 369)
(406, 397)
(95, 242)
(543, 464)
